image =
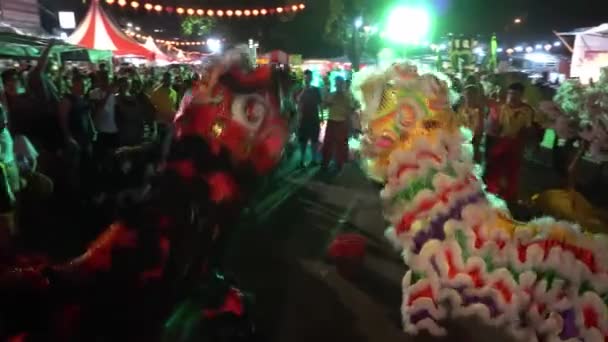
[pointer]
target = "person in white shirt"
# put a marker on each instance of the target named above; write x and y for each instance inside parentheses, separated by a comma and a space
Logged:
(104, 116)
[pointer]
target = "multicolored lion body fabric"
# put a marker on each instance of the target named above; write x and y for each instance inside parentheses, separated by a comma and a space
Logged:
(544, 280)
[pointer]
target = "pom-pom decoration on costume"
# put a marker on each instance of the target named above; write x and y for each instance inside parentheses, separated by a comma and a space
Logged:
(543, 281)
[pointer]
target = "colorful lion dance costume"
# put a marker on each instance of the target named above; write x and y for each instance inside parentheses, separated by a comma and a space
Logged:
(544, 280)
(154, 274)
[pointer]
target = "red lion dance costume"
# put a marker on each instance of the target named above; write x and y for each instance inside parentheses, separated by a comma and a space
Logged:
(152, 275)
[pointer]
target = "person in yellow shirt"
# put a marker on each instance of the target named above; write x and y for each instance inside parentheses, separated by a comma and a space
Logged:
(515, 123)
(341, 107)
(164, 99)
(471, 114)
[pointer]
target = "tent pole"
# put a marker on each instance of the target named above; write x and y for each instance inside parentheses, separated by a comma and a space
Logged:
(563, 41)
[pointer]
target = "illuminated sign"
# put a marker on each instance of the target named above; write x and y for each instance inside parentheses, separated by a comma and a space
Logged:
(67, 20)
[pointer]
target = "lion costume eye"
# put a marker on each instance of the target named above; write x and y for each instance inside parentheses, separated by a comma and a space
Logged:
(406, 116)
(408, 112)
(249, 110)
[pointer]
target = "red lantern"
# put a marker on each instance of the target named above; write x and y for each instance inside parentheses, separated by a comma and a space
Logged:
(247, 13)
(180, 11)
(220, 13)
(148, 7)
(135, 4)
(229, 13)
(169, 9)
(190, 11)
(279, 9)
(255, 12)
(122, 3)
(210, 13)
(238, 13)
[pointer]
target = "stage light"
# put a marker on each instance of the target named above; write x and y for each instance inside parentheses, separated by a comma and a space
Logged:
(180, 10)
(263, 11)
(220, 13)
(238, 13)
(302, 6)
(148, 7)
(255, 12)
(215, 45)
(294, 8)
(135, 4)
(279, 9)
(210, 13)
(200, 12)
(408, 25)
(110, 2)
(229, 13)
(122, 3)
(190, 11)
(247, 13)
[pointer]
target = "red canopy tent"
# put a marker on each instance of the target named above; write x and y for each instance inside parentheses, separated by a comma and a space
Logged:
(98, 32)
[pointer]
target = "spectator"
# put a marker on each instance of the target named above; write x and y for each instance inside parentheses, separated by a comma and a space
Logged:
(146, 109)
(79, 133)
(341, 108)
(471, 113)
(104, 114)
(515, 121)
(309, 107)
(164, 98)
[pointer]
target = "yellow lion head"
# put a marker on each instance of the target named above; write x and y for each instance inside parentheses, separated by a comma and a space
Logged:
(399, 106)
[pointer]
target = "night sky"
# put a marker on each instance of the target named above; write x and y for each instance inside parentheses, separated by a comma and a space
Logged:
(303, 33)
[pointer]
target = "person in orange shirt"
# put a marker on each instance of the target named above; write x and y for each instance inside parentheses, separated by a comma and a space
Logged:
(514, 123)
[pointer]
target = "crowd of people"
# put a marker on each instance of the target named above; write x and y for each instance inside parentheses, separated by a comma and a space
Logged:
(68, 142)
(502, 121)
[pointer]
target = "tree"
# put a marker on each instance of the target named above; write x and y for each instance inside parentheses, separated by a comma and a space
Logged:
(579, 114)
(340, 29)
(197, 26)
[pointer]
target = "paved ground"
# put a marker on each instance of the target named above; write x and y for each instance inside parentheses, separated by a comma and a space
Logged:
(281, 257)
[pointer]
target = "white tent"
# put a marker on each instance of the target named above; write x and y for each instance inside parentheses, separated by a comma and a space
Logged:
(590, 52)
(159, 56)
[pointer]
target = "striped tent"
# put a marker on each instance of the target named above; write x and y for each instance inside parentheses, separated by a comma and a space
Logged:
(159, 55)
(98, 32)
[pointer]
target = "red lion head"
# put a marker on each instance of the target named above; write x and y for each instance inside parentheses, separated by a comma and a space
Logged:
(238, 111)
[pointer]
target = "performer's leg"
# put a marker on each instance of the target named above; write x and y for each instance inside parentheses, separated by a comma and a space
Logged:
(514, 159)
(314, 142)
(329, 142)
(342, 130)
(493, 173)
(303, 138)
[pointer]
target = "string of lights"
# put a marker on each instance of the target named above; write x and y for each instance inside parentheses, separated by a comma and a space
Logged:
(210, 12)
(143, 36)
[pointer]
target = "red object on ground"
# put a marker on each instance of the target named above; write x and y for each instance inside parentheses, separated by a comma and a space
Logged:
(348, 253)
